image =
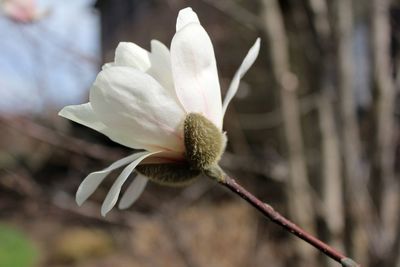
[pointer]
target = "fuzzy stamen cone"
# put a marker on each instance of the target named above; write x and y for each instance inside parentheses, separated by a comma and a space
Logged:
(204, 142)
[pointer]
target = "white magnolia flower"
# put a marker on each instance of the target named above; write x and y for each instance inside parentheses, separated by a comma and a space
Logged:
(165, 102)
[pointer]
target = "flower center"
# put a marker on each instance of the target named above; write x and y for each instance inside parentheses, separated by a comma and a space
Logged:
(204, 144)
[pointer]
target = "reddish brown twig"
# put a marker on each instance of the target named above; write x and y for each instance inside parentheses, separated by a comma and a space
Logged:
(277, 218)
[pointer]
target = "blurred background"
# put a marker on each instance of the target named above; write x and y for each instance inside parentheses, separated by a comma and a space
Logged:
(313, 130)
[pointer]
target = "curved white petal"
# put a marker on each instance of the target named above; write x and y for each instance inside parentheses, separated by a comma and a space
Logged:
(195, 73)
(132, 102)
(186, 16)
(133, 192)
(93, 180)
(107, 65)
(244, 67)
(131, 55)
(160, 68)
(84, 114)
(156, 63)
(112, 196)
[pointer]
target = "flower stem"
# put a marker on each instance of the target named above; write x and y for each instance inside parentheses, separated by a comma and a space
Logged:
(277, 218)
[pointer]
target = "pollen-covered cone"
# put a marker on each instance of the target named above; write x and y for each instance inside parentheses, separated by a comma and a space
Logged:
(141, 101)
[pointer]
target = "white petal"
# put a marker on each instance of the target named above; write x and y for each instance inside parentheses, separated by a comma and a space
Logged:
(132, 102)
(160, 69)
(112, 196)
(195, 74)
(244, 67)
(107, 65)
(132, 55)
(84, 114)
(156, 63)
(93, 180)
(185, 17)
(133, 192)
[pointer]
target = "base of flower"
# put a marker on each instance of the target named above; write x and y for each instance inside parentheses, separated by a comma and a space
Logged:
(216, 173)
(169, 174)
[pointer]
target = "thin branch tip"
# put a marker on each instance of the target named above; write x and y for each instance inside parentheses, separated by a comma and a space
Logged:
(347, 262)
(216, 173)
(268, 211)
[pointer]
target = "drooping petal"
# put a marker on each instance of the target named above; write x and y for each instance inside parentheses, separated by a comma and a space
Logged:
(84, 114)
(133, 192)
(112, 196)
(131, 55)
(93, 180)
(132, 102)
(244, 67)
(194, 70)
(186, 16)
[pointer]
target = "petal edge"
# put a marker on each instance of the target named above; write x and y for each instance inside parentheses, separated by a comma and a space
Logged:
(244, 67)
(133, 192)
(195, 74)
(186, 16)
(94, 179)
(112, 196)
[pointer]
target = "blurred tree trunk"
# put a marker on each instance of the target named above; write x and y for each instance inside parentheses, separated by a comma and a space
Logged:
(367, 226)
(300, 202)
(355, 171)
(331, 160)
(332, 190)
(384, 100)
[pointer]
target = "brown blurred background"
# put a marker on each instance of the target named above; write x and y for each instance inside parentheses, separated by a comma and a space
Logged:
(313, 131)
